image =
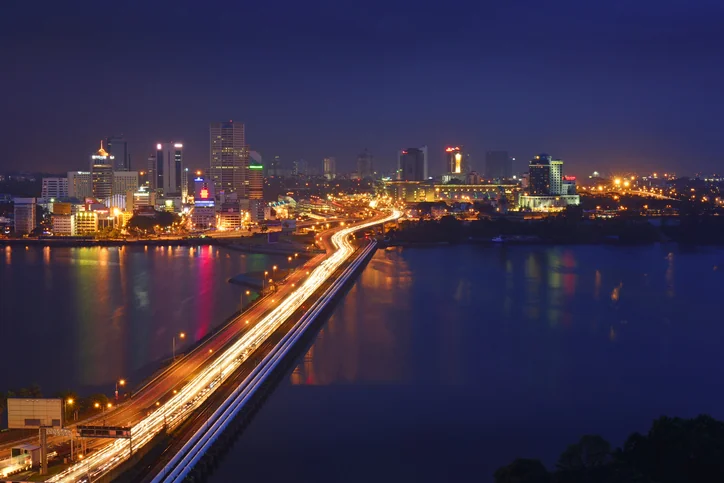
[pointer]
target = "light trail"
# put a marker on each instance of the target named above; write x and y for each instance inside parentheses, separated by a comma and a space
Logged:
(193, 394)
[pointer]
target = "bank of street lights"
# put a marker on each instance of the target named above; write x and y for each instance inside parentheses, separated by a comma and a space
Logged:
(182, 335)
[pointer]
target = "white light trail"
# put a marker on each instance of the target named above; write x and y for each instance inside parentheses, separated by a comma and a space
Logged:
(176, 409)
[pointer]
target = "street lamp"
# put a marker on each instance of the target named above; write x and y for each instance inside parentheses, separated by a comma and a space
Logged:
(66, 403)
(120, 382)
(182, 335)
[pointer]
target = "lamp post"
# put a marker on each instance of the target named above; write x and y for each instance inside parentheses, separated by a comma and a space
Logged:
(66, 403)
(263, 280)
(248, 293)
(120, 382)
(182, 335)
(274, 272)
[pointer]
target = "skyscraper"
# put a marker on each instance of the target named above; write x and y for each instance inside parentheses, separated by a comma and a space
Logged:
(330, 167)
(255, 177)
(412, 164)
(456, 161)
(118, 148)
(228, 157)
(166, 169)
(54, 188)
(102, 173)
(365, 168)
(80, 184)
(498, 165)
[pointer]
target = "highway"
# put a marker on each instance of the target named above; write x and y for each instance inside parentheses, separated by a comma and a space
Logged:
(168, 401)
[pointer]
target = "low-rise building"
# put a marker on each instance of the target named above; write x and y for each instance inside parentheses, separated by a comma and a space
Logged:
(86, 222)
(63, 224)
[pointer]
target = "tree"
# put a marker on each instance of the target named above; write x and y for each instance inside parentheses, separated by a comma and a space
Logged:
(264, 228)
(522, 470)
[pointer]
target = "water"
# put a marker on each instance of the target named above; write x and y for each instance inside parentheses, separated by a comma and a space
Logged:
(443, 364)
(81, 318)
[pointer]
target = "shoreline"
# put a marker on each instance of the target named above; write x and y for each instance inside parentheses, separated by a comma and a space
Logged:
(107, 243)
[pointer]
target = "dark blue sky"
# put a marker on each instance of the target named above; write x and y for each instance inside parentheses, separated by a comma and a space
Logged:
(604, 85)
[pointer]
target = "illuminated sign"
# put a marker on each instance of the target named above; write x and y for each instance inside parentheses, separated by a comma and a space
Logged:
(204, 194)
(178, 145)
(569, 178)
(158, 146)
(256, 166)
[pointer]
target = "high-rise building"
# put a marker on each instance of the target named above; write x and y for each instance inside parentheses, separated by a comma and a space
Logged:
(546, 175)
(124, 181)
(255, 178)
(330, 167)
(54, 188)
(102, 173)
(166, 171)
(228, 157)
(456, 161)
(80, 184)
(539, 175)
(275, 167)
(300, 168)
(118, 148)
(498, 165)
(365, 166)
(24, 212)
(412, 164)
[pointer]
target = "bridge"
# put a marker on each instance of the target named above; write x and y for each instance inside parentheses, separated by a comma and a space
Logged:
(193, 382)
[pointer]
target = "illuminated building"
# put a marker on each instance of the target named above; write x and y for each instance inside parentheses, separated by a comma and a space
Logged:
(257, 210)
(255, 180)
(102, 173)
(86, 222)
(228, 157)
(498, 165)
(365, 168)
(330, 167)
(124, 181)
(456, 161)
(24, 212)
(139, 199)
(63, 225)
(229, 216)
(80, 184)
(548, 189)
(118, 148)
(203, 215)
(166, 171)
(275, 167)
(412, 164)
(54, 188)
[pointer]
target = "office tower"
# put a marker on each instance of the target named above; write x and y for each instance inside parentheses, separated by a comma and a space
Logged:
(24, 212)
(546, 176)
(54, 188)
(255, 178)
(80, 184)
(365, 168)
(275, 167)
(412, 164)
(228, 157)
(456, 160)
(118, 148)
(330, 167)
(166, 171)
(102, 173)
(300, 168)
(124, 181)
(498, 165)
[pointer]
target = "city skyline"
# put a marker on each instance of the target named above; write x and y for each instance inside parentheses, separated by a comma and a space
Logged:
(642, 95)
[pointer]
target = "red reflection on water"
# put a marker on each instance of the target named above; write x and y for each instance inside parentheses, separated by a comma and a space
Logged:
(203, 281)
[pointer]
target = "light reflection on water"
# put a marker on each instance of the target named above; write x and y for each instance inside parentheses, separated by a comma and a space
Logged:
(83, 317)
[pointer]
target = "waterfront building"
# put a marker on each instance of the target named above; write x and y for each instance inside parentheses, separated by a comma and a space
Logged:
(548, 189)
(230, 216)
(54, 188)
(498, 165)
(63, 224)
(85, 222)
(118, 148)
(412, 164)
(228, 157)
(365, 167)
(330, 167)
(24, 212)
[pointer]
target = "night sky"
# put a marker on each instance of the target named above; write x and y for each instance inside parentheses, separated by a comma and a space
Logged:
(603, 85)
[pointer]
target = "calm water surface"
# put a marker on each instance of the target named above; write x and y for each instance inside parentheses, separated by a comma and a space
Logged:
(82, 317)
(443, 364)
